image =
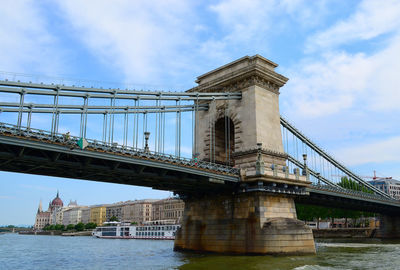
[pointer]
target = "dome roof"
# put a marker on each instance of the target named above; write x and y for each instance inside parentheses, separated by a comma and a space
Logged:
(57, 201)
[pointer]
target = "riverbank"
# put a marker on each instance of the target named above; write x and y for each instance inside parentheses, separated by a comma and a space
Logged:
(344, 233)
(81, 233)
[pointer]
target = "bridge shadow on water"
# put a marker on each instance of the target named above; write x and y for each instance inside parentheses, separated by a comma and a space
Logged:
(331, 254)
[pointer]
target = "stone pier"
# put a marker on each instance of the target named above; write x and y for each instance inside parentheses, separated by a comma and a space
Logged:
(246, 223)
(389, 227)
(260, 216)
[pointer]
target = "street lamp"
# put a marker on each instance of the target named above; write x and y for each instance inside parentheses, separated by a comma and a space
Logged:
(305, 164)
(146, 138)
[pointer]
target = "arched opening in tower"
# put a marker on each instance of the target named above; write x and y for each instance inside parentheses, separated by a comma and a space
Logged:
(224, 141)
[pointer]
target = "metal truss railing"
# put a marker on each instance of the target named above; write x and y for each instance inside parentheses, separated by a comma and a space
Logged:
(328, 160)
(72, 141)
(353, 193)
(89, 92)
(313, 173)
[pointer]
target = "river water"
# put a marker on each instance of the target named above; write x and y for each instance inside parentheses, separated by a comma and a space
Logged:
(57, 252)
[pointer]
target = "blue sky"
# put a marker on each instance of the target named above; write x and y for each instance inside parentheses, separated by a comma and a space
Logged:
(341, 58)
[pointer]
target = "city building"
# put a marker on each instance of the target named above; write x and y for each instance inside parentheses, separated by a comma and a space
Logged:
(55, 208)
(55, 213)
(170, 208)
(42, 218)
(115, 210)
(98, 214)
(85, 215)
(51, 216)
(73, 215)
(390, 186)
(138, 211)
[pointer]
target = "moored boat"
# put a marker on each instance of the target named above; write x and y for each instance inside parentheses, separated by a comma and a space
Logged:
(155, 230)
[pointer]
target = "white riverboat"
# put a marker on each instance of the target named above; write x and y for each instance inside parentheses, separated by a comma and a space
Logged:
(155, 230)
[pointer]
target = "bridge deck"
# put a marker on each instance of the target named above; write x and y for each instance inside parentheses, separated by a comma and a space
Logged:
(39, 152)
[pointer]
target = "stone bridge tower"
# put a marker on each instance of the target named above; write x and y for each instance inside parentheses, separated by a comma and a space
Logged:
(253, 120)
(260, 218)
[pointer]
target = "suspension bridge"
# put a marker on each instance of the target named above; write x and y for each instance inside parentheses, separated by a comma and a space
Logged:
(222, 146)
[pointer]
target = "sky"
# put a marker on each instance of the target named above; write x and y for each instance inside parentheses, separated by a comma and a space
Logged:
(341, 58)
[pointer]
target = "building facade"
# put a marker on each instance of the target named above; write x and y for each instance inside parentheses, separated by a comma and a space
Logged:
(115, 210)
(138, 211)
(170, 208)
(390, 186)
(98, 214)
(73, 215)
(42, 218)
(85, 215)
(51, 216)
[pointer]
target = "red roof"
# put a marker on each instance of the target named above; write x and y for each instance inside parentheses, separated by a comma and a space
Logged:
(57, 201)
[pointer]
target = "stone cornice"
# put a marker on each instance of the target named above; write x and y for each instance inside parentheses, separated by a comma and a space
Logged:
(264, 151)
(259, 74)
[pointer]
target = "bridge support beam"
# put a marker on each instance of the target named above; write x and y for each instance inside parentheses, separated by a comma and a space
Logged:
(389, 227)
(245, 223)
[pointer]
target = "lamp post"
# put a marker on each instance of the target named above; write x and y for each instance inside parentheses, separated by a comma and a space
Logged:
(146, 138)
(196, 158)
(305, 164)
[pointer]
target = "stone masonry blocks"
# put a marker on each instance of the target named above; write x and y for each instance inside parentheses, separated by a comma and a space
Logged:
(242, 223)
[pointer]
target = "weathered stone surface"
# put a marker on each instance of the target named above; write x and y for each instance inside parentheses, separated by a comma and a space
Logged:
(227, 224)
(250, 135)
(389, 227)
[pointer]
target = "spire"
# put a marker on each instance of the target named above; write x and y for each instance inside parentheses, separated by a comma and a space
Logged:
(40, 209)
(57, 194)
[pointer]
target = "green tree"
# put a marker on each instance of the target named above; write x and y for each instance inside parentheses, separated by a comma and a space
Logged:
(70, 227)
(80, 226)
(353, 185)
(114, 218)
(59, 227)
(90, 226)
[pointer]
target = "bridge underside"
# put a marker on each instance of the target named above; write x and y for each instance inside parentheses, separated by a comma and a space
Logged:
(41, 158)
(324, 197)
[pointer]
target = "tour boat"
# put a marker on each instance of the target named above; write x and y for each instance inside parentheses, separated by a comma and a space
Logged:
(155, 230)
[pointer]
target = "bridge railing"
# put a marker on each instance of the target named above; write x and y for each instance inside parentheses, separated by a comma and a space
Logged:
(323, 167)
(109, 115)
(72, 142)
(352, 193)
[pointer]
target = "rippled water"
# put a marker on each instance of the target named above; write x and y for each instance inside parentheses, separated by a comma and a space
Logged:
(57, 252)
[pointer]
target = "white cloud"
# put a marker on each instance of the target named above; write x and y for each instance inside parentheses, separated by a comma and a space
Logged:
(252, 25)
(372, 18)
(348, 99)
(339, 81)
(387, 150)
(343, 81)
(144, 38)
(328, 86)
(26, 45)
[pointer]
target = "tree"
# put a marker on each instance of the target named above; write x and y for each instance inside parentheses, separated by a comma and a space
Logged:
(70, 227)
(59, 227)
(90, 226)
(80, 226)
(114, 218)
